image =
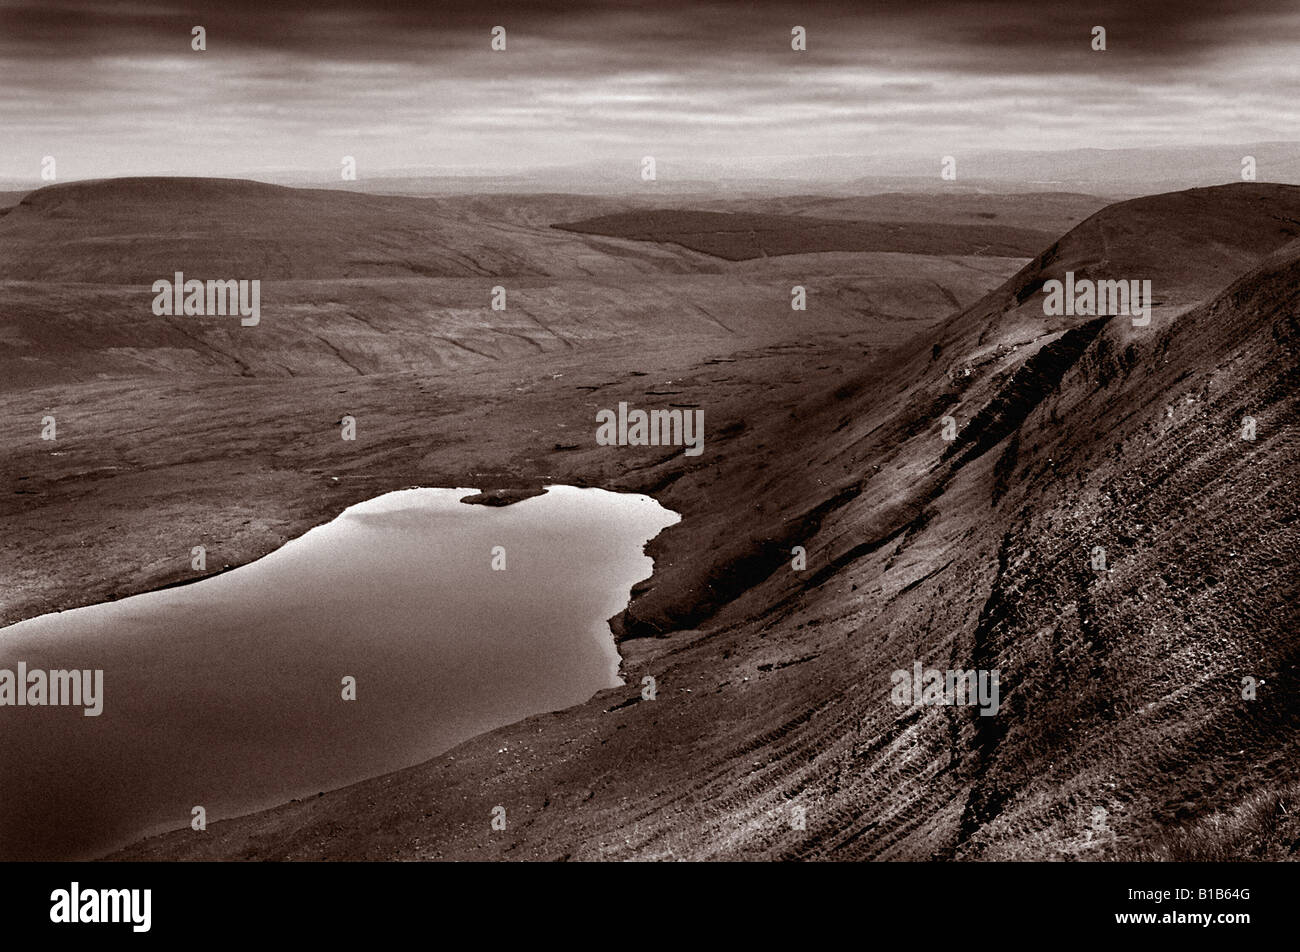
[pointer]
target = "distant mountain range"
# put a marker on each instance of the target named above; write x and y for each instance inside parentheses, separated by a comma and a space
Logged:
(1115, 172)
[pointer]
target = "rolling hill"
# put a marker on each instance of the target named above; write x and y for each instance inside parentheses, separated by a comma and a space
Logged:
(359, 284)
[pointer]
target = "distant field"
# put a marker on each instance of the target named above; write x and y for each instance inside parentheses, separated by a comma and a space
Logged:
(1055, 212)
(741, 236)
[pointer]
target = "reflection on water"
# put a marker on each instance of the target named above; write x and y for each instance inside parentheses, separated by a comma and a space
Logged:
(228, 693)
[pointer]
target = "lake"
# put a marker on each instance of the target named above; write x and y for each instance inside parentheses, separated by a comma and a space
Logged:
(229, 693)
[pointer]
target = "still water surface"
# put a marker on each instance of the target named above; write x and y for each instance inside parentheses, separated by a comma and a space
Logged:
(228, 693)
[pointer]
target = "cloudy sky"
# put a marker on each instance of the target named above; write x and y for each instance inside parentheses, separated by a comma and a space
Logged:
(114, 88)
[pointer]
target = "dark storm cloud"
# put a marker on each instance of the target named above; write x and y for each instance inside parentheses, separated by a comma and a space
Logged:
(1043, 36)
(293, 84)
